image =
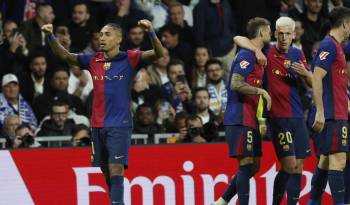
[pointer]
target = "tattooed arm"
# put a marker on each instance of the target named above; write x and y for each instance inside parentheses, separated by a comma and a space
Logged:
(238, 84)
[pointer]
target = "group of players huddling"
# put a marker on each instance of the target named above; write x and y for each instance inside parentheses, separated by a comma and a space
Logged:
(276, 80)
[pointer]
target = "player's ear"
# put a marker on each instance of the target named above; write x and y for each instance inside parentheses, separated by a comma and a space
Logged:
(294, 34)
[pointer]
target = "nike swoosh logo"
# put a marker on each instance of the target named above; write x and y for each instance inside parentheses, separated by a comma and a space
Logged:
(118, 157)
(309, 150)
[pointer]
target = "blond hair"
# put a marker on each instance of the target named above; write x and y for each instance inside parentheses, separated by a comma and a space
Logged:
(285, 21)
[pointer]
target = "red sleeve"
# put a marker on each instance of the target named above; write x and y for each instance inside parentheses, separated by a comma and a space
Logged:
(134, 57)
(303, 60)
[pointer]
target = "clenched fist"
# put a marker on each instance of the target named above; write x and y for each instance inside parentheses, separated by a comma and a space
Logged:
(47, 29)
(146, 25)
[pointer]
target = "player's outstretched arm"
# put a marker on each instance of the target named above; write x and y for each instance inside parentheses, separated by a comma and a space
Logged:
(57, 48)
(157, 51)
(317, 90)
(238, 84)
(244, 42)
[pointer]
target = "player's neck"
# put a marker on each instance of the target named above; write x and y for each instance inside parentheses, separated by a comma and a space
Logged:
(112, 53)
(258, 43)
(337, 34)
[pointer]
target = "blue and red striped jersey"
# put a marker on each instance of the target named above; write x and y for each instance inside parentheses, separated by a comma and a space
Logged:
(112, 80)
(282, 83)
(331, 58)
(241, 109)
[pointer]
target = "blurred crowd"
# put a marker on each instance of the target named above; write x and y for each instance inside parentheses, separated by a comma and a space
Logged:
(183, 92)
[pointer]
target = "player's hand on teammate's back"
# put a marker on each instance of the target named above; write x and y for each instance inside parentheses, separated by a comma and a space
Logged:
(261, 58)
(47, 29)
(319, 122)
(146, 25)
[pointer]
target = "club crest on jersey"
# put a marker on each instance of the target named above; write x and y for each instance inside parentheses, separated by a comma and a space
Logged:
(323, 55)
(243, 64)
(107, 65)
(287, 63)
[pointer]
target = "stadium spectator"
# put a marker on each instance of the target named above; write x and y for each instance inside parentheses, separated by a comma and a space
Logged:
(165, 116)
(170, 37)
(313, 23)
(34, 82)
(11, 123)
(195, 131)
(31, 29)
(25, 138)
(177, 91)
(180, 126)
(81, 27)
(81, 136)
(94, 43)
(125, 13)
(80, 83)
(13, 50)
(135, 39)
(145, 122)
(57, 89)
(214, 28)
(197, 74)
(158, 69)
(59, 124)
(201, 104)
(12, 102)
(216, 87)
(299, 32)
(143, 91)
(176, 15)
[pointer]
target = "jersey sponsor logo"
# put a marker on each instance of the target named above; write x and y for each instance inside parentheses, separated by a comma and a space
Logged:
(244, 64)
(106, 77)
(323, 55)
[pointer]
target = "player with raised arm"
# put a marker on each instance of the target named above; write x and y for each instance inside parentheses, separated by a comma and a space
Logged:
(112, 71)
(244, 89)
(331, 102)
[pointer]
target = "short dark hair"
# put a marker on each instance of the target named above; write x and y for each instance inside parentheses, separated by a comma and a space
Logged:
(77, 128)
(338, 15)
(36, 54)
(199, 89)
(58, 103)
(82, 3)
(193, 117)
(144, 105)
(213, 61)
(175, 61)
(180, 116)
(171, 28)
(57, 69)
(254, 26)
(115, 27)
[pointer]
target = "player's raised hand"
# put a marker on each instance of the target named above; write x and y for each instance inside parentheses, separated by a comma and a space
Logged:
(146, 25)
(47, 29)
(319, 122)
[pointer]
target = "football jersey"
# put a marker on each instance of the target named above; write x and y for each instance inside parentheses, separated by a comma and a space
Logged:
(283, 82)
(331, 58)
(241, 109)
(112, 80)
